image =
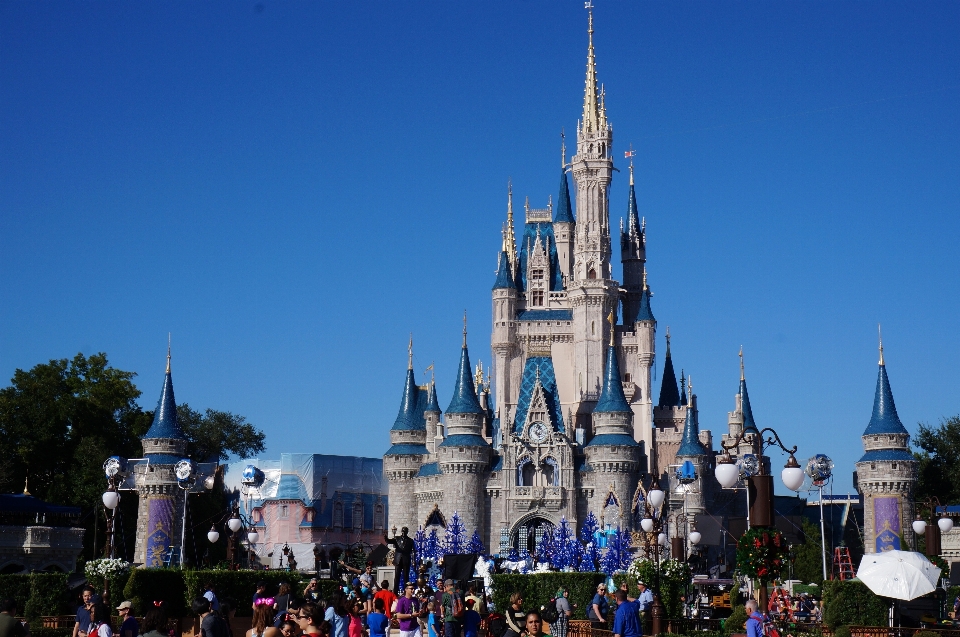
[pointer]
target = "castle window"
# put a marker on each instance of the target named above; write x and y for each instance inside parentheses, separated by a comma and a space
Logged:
(284, 511)
(873, 466)
(592, 274)
(378, 517)
(593, 327)
(537, 297)
(338, 514)
(626, 378)
(538, 275)
(357, 515)
(894, 466)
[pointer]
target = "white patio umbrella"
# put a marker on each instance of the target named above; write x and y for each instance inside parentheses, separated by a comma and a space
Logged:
(898, 574)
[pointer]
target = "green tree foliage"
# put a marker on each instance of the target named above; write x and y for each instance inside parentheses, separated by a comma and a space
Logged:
(538, 588)
(216, 435)
(851, 603)
(939, 456)
(736, 621)
(808, 557)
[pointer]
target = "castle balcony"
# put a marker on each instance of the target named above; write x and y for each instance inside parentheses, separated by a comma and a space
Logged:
(529, 498)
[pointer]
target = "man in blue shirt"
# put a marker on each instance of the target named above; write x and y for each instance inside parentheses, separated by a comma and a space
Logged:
(644, 603)
(755, 620)
(626, 622)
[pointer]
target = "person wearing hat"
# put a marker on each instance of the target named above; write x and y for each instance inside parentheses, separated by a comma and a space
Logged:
(129, 627)
(451, 625)
(644, 604)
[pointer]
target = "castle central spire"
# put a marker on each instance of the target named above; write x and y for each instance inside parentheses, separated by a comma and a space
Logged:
(591, 110)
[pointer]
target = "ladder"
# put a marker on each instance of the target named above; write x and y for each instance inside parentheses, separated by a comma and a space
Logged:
(842, 566)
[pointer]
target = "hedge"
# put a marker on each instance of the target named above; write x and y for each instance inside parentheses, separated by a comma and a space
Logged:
(539, 588)
(851, 603)
(40, 631)
(36, 594)
(148, 585)
(238, 587)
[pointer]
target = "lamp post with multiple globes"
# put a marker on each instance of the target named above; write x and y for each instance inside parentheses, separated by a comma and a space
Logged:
(931, 532)
(114, 469)
(654, 542)
(234, 524)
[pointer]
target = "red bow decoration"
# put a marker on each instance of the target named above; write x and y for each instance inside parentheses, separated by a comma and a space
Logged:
(158, 604)
(265, 601)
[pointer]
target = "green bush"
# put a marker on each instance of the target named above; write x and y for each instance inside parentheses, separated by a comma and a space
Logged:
(40, 631)
(147, 585)
(851, 603)
(841, 631)
(238, 587)
(737, 620)
(48, 595)
(16, 587)
(538, 588)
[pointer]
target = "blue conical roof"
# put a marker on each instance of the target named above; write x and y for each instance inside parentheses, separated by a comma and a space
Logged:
(612, 399)
(504, 276)
(564, 211)
(633, 219)
(669, 395)
(884, 419)
(749, 426)
(690, 444)
(644, 312)
(165, 424)
(432, 404)
(464, 393)
(409, 418)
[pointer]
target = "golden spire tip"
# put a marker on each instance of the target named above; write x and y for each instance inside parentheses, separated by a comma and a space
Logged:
(612, 319)
(880, 336)
(644, 278)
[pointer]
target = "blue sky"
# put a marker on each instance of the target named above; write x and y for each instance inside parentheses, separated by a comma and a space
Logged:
(291, 188)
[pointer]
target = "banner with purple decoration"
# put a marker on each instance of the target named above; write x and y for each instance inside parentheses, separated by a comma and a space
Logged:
(159, 530)
(886, 523)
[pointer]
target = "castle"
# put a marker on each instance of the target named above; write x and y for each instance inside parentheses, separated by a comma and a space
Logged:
(569, 424)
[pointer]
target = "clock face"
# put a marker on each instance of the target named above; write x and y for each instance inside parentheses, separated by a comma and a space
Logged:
(538, 432)
(183, 469)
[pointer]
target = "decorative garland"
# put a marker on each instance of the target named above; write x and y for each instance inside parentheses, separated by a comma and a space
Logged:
(762, 554)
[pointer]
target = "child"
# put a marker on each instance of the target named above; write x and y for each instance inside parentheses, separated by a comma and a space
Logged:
(431, 618)
(471, 620)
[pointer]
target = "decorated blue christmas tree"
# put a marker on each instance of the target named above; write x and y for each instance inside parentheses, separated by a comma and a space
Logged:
(545, 548)
(476, 544)
(626, 544)
(563, 553)
(617, 556)
(514, 555)
(576, 551)
(431, 549)
(419, 544)
(590, 559)
(455, 539)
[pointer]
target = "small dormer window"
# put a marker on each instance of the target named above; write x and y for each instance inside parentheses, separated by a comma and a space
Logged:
(537, 275)
(537, 297)
(894, 466)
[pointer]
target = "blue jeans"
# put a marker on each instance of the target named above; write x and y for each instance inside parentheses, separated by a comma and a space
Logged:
(451, 629)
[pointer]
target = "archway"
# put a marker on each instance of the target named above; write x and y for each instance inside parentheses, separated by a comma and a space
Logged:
(529, 532)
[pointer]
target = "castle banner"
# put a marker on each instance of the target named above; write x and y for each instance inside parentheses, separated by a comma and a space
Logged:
(159, 530)
(886, 523)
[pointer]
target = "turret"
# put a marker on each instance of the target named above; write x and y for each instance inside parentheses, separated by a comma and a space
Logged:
(431, 417)
(504, 313)
(564, 226)
(633, 254)
(645, 328)
(669, 415)
(161, 499)
(886, 473)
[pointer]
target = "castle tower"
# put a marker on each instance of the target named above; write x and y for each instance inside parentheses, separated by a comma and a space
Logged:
(612, 453)
(592, 293)
(564, 226)
(886, 475)
(407, 452)
(741, 418)
(504, 338)
(160, 511)
(464, 454)
(669, 416)
(693, 450)
(645, 332)
(431, 418)
(633, 255)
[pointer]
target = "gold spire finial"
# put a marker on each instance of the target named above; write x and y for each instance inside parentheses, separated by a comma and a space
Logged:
(880, 336)
(630, 154)
(510, 240)
(464, 328)
(591, 115)
(478, 376)
(168, 352)
(26, 483)
(612, 319)
(741, 363)
(410, 352)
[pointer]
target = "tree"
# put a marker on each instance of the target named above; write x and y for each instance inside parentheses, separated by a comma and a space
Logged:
(939, 458)
(807, 557)
(432, 550)
(591, 554)
(455, 538)
(476, 544)
(216, 435)
(617, 557)
(563, 553)
(419, 546)
(545, 548)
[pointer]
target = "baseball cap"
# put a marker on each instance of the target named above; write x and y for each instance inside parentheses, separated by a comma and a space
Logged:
(449, 582)
(126, 604)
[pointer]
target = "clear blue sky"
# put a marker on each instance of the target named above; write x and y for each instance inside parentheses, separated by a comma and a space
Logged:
(290, 188)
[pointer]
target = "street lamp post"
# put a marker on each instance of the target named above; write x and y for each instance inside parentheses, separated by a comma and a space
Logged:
(820, 470)
(113, 468)
(234, 525)
(654, 541)
(931, 532)
(759, 481)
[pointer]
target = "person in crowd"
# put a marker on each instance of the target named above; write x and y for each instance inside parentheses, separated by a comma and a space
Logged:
(100, 621)
(312, 592)
(451, 625)
(599, 608)
(754, 619)
(478, 604)
(289, 628)
(261, 592)
(82, 624)
(211, 624)
(338, 615)
(389, 599)
(559, 628)
(155, 621)
(355, 628)
(10, 626)
(365, 576)
(282, 601)
(210, 593)
(378, 622)
(644, 604)
(432, 620)
(438, 592)
(626, 621)
(408, 613)
(515, 615)
(309, 617)
(262, 624)
(129, 627)
(533, 624)
(471, 618)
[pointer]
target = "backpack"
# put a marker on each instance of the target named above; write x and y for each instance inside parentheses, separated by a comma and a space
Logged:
(496, 625)
(457, 607)
(549, 612)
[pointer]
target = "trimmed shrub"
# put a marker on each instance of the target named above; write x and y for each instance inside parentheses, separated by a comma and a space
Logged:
(48, 595)
(841, 631)
(539, 588)
(148, 585)
(238, 587)
(851, 603)
(17, 587)
(737, 620)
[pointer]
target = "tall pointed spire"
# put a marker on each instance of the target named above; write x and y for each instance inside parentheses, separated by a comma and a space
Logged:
(633, 218)
(510, 238)
(564, 209)
(408, 418)
(612, 399)
(683, 388)
(410, 353)
(884, 419)
(165, 423)
(749, 425)
(464, 392)
(432, 403)
(669, 394)
(880, 336)
(644, 311)
(504, 274)
(591, 108)
(690, 444)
